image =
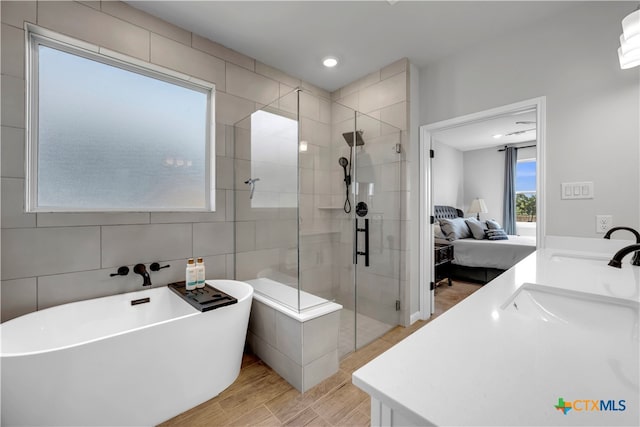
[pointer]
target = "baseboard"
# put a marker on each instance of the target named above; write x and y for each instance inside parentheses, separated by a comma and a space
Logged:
(415, 317)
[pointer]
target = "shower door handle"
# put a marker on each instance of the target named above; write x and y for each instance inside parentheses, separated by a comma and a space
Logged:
(364, 230)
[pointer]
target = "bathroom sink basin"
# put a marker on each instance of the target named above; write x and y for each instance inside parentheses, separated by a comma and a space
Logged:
(579, 311)
(579, 258)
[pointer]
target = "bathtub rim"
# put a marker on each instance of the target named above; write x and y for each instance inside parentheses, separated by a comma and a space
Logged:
(214, 282)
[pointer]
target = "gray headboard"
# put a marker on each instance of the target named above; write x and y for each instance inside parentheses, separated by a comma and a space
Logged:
(440, 211)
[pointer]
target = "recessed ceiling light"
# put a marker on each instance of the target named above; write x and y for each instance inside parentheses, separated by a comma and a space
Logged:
(330, 61)
(498, 136)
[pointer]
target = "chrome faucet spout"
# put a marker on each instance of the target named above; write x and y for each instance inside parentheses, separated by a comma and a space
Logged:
(616, 261)
(142, 270)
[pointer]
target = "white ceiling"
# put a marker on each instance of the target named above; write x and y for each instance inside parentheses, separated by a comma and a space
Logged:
(475, 136)
(294, 36)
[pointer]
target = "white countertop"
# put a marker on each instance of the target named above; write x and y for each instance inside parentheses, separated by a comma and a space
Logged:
(482, 364)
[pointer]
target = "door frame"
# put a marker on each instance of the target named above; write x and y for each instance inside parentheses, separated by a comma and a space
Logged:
(426, 273)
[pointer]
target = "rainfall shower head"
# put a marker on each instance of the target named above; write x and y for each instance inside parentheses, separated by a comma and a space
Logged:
(348, 136)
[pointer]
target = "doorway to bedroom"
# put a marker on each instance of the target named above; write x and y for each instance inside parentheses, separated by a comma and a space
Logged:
(482, 205)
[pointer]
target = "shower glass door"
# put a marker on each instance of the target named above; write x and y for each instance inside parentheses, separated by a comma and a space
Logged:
(376, 217)
(305, 168)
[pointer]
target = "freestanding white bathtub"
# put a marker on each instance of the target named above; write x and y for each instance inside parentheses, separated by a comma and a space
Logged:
(107, 362)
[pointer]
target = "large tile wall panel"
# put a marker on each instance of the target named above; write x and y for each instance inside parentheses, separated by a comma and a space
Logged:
(278, 75)
(88, 24)
(262, 321)
(212, 238)
(17, 12)
(250, 264)
(130, 244)
(135, 16)
(289, 337)
(395, 115)
(12, 51)
(12, 102)
(72, 219)
(360, 84)
(217, 216)
(386, 92)
(245, 235)
(320, 369)
(13, 215)
(224, 173)
(70, 287)
(177, 56)
(12, 155)
(392, 69)
(18, 297)
(217, 50)
(320, 337)
(215, 267)
(29, 252)
(249, 85)
(231, 109)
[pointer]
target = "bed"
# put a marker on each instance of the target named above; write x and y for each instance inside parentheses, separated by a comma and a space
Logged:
(482, 260)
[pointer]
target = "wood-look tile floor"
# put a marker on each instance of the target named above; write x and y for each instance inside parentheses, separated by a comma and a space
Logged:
(260, 397)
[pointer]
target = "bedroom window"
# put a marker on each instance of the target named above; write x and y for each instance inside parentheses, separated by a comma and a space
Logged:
(526, 190)
(112, 133)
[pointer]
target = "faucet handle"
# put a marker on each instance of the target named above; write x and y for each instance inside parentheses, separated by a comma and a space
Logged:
(156, 266)
(122, 271)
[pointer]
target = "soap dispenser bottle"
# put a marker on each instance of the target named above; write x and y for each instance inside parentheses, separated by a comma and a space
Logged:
(200, 273)
(190, 275)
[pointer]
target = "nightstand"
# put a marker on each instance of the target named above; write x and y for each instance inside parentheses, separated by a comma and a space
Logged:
(442, 256)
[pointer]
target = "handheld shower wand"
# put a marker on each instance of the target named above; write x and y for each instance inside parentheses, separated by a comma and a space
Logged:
(342, 161)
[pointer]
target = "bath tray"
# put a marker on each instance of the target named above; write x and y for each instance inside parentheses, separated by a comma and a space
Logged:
(203, 299)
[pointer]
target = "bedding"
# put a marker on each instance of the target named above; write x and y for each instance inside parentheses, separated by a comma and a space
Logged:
(454, 228)
(501, 254)
(475, 257)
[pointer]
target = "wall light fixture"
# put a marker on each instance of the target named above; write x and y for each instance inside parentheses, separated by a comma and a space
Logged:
(629, 50)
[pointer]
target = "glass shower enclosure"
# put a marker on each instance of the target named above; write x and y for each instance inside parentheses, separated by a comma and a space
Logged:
(318, 210)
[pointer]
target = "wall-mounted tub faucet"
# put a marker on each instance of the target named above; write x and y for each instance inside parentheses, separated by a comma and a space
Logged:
(616, 261)
(636, 257)
(142, 270)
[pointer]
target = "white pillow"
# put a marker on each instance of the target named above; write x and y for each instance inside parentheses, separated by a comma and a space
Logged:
(477, 228)
(455, 228)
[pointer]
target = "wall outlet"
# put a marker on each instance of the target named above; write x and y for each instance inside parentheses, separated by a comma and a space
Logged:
(603, 223)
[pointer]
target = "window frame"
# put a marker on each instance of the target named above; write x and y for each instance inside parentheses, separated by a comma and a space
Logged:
(36, 36)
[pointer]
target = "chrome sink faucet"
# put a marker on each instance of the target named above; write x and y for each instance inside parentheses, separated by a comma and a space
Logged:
(616, 261)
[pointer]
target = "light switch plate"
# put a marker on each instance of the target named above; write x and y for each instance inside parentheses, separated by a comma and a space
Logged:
(577, 190)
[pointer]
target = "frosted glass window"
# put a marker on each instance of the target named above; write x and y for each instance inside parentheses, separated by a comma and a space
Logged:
(112, 138)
